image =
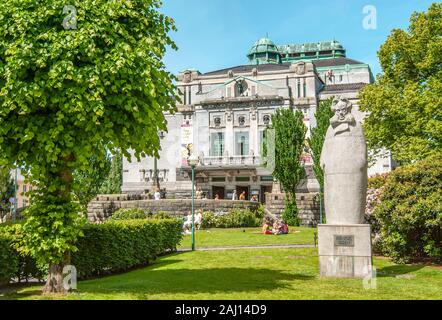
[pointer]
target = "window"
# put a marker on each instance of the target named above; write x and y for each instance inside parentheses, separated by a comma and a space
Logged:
(241, 143)
(218, 179)
(299, 89)
(24, 188)
(266, 119)
(217, 144)
(190, 95)
(340, 77)
(304, 89)
(242, 179)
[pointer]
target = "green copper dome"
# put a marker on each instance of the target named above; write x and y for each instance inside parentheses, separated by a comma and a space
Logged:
(264, 51)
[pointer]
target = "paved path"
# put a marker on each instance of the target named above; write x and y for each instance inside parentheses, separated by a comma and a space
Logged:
(284, 246)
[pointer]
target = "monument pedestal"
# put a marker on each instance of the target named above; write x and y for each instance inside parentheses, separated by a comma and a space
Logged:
(345, 250)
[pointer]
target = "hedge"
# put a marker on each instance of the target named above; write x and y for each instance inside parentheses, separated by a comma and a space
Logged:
(120, 245)
(13, 264)
(113, 246)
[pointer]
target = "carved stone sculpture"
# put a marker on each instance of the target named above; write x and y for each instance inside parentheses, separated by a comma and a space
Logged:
(344, 161)
(344, 242)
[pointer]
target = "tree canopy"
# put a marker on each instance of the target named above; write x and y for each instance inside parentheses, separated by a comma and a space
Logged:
(69, 93)
(404, 105)
(290, 133)
(316, 141)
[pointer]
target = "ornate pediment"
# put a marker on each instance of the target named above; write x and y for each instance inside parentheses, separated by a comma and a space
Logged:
(240, 87)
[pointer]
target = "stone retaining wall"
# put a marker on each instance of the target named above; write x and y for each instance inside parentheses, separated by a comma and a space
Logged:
(105, 205)
(306, 202)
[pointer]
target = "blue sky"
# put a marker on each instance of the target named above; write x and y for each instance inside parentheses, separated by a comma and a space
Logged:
(216, 34)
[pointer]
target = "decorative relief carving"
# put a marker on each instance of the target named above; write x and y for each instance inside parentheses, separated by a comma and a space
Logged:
(253, 113)
(266, 119)
(300, 68)
(187, 77)
(229, 114)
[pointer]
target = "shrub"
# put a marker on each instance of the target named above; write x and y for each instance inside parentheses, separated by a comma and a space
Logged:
(377, 181)
(14, 264)
(290, 213)
(410, 212)
(116, 246)
(209, 220)
(9, 260)
(136, 213)
(235, 218)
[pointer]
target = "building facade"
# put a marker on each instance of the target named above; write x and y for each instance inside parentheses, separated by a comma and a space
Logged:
(223, 114)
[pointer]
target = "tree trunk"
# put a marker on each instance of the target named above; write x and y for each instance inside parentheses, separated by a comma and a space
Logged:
(54, 283)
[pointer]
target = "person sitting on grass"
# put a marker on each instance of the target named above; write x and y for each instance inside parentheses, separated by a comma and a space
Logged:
(187, 225)
(284, 228)
(276, 227)
(198, 219)
(266, 227)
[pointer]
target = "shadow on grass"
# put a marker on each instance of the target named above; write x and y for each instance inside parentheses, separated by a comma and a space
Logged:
(397, 270)
(142, 283)
(212, 280)
(162, 278)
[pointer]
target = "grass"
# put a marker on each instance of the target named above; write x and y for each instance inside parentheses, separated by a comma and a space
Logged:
(247, 237)
(250, 274)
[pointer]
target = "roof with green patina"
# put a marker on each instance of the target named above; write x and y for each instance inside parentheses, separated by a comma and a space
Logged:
(334, 62)
(311, 47)
(263, 45)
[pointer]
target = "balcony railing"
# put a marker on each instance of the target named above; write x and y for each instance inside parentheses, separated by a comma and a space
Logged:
(231, 161)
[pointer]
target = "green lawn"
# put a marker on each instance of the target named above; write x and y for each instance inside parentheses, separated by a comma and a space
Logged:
(251, 274)
(247, 237)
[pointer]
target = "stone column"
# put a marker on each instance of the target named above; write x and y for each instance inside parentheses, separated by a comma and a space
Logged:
(229, 135)
(253, 131)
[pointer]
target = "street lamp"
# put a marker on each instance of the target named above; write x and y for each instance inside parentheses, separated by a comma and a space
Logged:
(193, 161)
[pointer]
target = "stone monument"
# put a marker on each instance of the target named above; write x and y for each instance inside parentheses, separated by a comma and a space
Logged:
(344, 241)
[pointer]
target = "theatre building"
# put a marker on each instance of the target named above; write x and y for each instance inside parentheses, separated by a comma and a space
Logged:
(223, 115)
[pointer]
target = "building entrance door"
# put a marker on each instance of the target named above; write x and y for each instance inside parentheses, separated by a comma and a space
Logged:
(218, 190)
(265, 189)
(240, 189)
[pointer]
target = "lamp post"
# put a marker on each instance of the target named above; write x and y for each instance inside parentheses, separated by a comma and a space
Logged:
(193, 161)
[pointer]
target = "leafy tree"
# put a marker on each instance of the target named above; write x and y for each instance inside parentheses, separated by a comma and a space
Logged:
(322, 115)
(404, 105)
(114, 180)
(6, 191)
(88, 182)
(290, 133)
(69, 94)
